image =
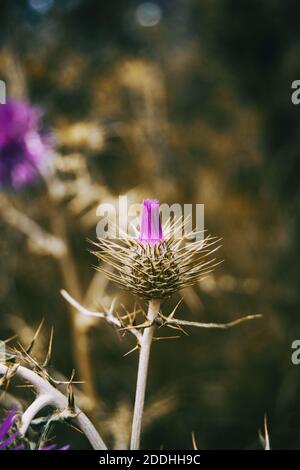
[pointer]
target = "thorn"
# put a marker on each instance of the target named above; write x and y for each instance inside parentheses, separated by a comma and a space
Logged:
(174, 310)
(267, 439)
(110, 311)
(75, 428)
(169, 317)
(159, 338)
(71, 399)
(8, 340)
(29, 349)
(195, 447)
(132, 350)
(120, 320)
(124, 308)
(144, 314)
(178, 328)
(30, 359)
(112, 307)
(9, 374)
(49, 353)
(62, 382)
(142, 325)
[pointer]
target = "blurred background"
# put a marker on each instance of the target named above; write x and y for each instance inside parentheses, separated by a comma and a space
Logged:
(187, 101)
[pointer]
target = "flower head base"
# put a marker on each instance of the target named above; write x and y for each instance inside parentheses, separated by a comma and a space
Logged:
(151, 229)
(24, 149)
(153, 267)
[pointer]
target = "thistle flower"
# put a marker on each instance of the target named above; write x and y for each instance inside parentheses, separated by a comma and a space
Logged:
(24, 149)
(153, 266)
(9, 437)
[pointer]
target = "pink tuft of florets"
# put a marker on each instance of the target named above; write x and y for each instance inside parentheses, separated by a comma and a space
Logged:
(151, 230)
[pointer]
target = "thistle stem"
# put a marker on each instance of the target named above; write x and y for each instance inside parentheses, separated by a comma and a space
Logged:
(145, 344)
(58, 401)
(39, 403)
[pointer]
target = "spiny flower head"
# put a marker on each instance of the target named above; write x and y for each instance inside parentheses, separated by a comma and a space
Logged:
(24, 149)
(154, 266)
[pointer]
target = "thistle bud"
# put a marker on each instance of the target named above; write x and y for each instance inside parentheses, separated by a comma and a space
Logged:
(152, 266)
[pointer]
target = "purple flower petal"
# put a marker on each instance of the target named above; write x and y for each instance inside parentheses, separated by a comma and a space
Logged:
(151, 229)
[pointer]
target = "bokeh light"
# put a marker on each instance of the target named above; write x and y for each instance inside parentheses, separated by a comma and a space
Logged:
(148, 14)
(41, 6)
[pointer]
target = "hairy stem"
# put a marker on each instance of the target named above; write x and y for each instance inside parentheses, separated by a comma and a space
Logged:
(146, 342)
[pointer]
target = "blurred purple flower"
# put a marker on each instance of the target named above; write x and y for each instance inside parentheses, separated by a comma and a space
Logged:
(5, 427)
(24, 149)
(151, 229)
(8, 439)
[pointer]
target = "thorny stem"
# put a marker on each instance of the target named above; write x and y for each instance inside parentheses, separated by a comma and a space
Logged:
(56, 399)
(39, 403)
(108, 316)
(146, 342)
(219, 326)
